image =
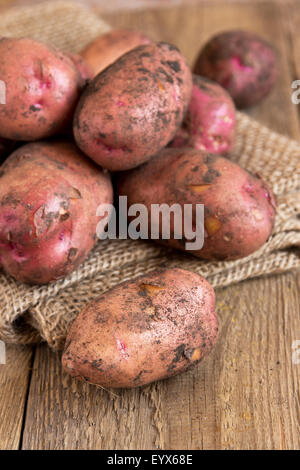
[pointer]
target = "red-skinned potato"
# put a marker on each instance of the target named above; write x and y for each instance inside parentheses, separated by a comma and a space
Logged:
(134, 107)
(49, 194)
(6, 146)
(42, 89)
(242, 63)
(239, 208)
(210, 121)
(107, 48)
(143, 330)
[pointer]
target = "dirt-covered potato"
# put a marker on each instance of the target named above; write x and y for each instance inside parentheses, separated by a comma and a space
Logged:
(242, 63)
(107, 48)
(49, 194)
(134, 107)
(239, 208)
(210, 121)
(143, 330)
(42, 89)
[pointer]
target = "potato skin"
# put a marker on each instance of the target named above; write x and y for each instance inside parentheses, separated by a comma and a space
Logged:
(107, 48)
(6, 146)
(239, 207)
(143, 330)
(134, 107)
(242, 63)
(210, 121)
(49, 193)
(42, 89)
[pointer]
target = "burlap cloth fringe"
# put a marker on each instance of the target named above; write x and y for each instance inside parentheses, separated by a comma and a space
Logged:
(31, 313)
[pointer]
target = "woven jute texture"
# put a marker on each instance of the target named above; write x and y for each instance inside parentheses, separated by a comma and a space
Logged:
(30, 313)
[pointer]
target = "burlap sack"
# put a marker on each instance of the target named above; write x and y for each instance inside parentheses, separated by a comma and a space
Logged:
(30, 314)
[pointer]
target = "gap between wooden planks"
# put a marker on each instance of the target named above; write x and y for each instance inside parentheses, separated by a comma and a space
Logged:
(246, 394)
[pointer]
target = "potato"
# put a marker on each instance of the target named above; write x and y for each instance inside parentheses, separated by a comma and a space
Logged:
(210, 121)
(241, 62)
(143, 330)
(134, 107)
(42, 89)
(6, 146)
(239, 208)
(49, 193)
(107, 48)
(82, 66)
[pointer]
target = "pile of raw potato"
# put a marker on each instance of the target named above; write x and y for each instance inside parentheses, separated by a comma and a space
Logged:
(127, 103)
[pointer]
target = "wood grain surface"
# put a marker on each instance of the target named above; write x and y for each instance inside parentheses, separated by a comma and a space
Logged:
(246, 394)
(14, 381)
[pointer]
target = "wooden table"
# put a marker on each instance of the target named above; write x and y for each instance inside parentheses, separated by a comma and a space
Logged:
(246, 394)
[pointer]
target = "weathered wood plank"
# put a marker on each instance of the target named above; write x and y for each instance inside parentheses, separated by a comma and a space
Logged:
(246, 395)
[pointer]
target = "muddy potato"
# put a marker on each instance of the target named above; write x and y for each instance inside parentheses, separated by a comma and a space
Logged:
(242, 63)
(42, 89)
(133, 108)
(239, 208)
(210, 121)
(49, 194)
(143, 330)
(107, 48)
